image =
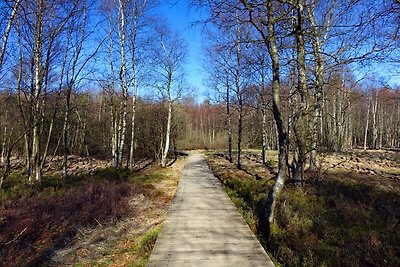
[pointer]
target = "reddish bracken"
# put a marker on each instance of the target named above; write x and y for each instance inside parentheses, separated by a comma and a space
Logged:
(32, 227)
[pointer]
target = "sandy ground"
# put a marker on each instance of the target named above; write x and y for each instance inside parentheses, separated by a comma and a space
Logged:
(379, 168)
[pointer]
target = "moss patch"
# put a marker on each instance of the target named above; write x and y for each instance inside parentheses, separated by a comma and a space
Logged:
(143, 247)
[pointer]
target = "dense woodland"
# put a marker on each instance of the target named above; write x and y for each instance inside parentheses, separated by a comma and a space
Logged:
(105, 79)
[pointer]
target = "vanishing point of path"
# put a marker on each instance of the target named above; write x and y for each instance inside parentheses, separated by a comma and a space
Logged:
(203, 228)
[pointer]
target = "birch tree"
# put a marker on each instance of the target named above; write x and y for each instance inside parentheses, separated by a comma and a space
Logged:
(74, 63)
(38, 83)
(168, 57)
(119, 113)
(264, 19)
(230, 54)
(318, 36)
(302, 115)
(136, 27)
(40, 29)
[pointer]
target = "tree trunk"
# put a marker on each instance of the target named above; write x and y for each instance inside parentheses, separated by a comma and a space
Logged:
(263, 112)
(301, 123)
(229, 123)
(238, 91)
(3, 150)
(113, 104)
(27, 128)
(276, 109)
(374, 121)
(319, 83)
(65, 133)
(38, 87)
(134, 91)
(123, 82)
(169, 120)
(132, 147)
(46, 149)
(264, 134)
(240, 130)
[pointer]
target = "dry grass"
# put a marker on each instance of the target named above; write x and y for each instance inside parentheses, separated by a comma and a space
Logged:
(347, 214)
(114, 245)
(91, 219)
(379, 168)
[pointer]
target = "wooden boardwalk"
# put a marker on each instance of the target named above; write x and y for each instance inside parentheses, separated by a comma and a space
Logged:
(203, 228)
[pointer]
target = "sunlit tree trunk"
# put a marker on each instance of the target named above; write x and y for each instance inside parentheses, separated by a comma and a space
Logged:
(229, 117)
(263, 103)
(240, 131)
(169, 57)
(238, 90)
(132, 145)
(301, 123)
(264, 134)
(37, 171)
(133, 39)
(113, 104)
(3, 149)
(270, 40)
(46, 149)
(7, 30)
(374, 108)
(317, 42)
(123, 80)
(169, 120)
(27, 139)
(276, 109)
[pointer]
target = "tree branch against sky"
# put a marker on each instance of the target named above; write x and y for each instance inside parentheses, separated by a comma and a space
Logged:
(295, 104)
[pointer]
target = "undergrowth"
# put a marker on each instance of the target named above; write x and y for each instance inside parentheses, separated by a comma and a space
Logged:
(327, 222)
(36, 219)
(144, 246)
(17, 186)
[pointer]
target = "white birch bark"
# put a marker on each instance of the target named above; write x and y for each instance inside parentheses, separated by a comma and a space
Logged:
(7, 31)
(3, 150)
(374, 120)
(168, 132)
(123, 81)
(37, 171)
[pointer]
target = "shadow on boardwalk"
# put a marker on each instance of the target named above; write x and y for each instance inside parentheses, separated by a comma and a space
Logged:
(203, 228)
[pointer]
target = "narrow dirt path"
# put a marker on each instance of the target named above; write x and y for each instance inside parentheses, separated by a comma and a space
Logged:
(203, 228)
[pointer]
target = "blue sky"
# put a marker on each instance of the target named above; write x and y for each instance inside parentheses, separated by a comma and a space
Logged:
(181, 18)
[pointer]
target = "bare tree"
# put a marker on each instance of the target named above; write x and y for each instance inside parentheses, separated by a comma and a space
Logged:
(119, 115)
(318, 35)
(229, 53)
(302, 115)
(168, 57)
(76, 61)
(220, 72)
(136, 27)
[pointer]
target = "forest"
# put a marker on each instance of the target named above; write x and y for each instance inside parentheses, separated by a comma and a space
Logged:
(301, 110)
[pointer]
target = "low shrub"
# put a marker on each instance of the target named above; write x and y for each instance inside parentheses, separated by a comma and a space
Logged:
(32, 227)
(329, 222)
